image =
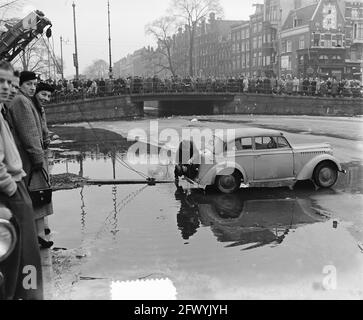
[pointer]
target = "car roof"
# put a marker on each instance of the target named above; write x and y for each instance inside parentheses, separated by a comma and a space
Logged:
(253, 132)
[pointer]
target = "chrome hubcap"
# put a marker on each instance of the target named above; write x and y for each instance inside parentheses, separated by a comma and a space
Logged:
(227, 182)
(326, 176)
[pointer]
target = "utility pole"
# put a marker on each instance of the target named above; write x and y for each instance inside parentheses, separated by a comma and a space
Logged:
(49, 67)
(62, 65)
(55, 63)
(109, 40)
(75, 56)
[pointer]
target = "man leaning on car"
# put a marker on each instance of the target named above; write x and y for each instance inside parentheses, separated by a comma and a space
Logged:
(17, 268)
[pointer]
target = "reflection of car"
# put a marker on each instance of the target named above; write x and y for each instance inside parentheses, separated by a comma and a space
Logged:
(8, 240)
(259, 157)
(253, 220)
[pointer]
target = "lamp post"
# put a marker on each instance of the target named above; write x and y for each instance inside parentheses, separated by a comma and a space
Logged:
(109, 40)
(62, 65)
(75, 56)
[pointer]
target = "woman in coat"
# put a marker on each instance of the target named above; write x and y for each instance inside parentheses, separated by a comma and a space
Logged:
(31, 139)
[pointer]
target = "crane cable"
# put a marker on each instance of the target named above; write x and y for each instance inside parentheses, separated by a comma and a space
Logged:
(117, 157)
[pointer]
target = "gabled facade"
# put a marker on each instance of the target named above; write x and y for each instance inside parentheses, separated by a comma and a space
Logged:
(313, 41)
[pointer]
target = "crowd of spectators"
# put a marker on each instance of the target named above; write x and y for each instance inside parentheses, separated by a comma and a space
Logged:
(80, 89)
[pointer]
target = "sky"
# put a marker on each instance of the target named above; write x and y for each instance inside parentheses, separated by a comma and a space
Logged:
(128, 20)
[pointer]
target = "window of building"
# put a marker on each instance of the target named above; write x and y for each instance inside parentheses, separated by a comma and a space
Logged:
(358, 31)
(254, 59)
(243, 60)
(316, 39)
(288, 46)
(259, 27)
(302, 42)
(260, 42)
(339, 39)
(259, 59)
(247, 33)
(268, 60)
(254, 43)
(297, 22)
(323, 58)
(283, 47)
(247, 60)
(248, 45)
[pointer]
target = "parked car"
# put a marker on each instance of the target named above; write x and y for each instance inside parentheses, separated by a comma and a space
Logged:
(8, 239)
(259, 157)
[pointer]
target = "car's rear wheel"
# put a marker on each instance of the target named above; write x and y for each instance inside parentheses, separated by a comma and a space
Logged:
(228, 183)
(325, 175)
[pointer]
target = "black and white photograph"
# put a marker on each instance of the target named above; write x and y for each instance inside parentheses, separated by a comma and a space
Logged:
(181, 150)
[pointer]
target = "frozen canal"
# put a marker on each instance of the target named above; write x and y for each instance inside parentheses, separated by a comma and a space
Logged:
(256, 244)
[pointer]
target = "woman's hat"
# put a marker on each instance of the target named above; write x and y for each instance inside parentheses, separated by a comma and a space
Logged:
(42, 86)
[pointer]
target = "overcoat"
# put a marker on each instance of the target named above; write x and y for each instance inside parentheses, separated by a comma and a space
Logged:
(31, 139)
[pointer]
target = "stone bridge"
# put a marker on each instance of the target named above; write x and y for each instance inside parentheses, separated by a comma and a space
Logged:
(132, 106)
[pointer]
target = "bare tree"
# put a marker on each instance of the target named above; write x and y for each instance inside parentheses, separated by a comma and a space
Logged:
(162, 30)
(191, 13)
(7, 7)
(98, 69)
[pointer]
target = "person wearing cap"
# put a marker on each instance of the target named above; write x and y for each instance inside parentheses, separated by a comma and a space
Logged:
(29, 137)
(14, 196)
(42, 96)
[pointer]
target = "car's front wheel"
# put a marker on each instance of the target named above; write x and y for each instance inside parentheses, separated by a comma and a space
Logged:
(325, 175)
(228, 183)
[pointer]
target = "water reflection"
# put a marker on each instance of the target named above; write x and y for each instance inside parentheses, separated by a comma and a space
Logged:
(251, 218)
(78, 145)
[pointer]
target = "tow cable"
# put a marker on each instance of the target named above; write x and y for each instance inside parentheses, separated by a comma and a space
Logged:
(149, 180)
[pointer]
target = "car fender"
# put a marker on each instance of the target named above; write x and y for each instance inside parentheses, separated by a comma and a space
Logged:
(307, 171)
(223, 168)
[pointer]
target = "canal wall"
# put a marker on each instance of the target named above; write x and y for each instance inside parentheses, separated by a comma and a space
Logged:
(290, 105)
(121, 107)
(99, 109)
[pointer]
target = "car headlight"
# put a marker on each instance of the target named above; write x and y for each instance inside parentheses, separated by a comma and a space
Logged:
(7, 239)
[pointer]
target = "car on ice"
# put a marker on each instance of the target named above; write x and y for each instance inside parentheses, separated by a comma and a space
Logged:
(257, 157)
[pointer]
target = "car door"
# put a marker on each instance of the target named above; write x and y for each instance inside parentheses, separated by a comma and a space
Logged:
(241, 152)
(273, 159)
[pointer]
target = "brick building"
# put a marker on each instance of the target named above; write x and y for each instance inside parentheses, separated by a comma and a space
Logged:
(354, 38)
(212, 49)
(313, 41)
(240, 49)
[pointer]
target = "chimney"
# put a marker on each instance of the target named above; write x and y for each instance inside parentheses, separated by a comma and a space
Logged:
(212, 17)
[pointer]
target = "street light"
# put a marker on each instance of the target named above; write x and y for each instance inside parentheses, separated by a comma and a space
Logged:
(75, 56)
(109, 40)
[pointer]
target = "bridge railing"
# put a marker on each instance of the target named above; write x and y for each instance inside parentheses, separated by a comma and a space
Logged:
(150, 87)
